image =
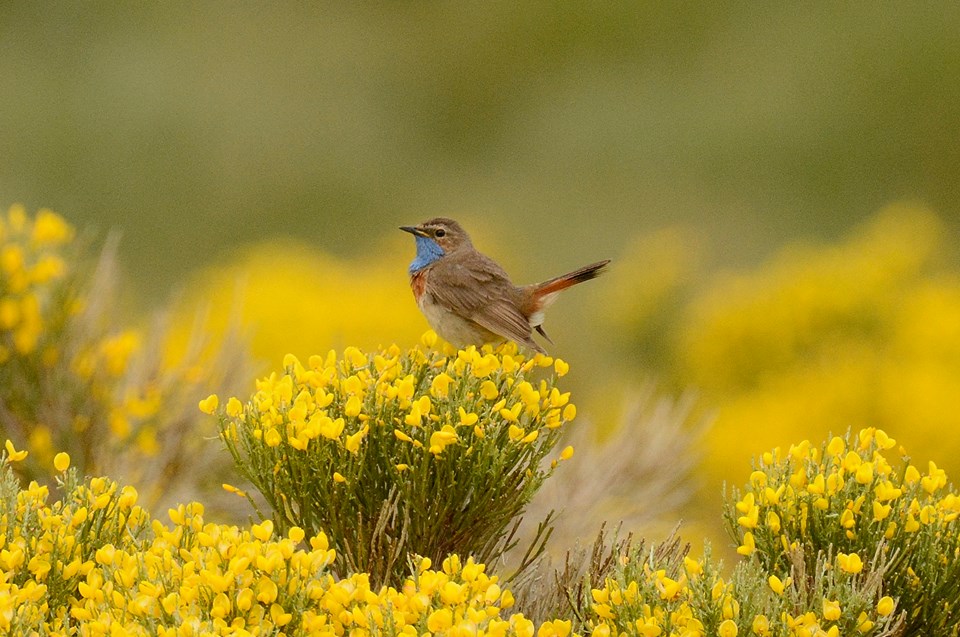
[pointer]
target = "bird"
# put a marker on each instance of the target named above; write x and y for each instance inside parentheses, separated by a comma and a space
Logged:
(468, 299)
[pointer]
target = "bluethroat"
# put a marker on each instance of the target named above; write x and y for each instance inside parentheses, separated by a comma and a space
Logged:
(468, 299)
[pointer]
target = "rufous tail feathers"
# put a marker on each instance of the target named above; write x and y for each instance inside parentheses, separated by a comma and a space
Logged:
(543, 294)
(564, 281)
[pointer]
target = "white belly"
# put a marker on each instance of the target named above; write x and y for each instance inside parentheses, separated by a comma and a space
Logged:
(453, 328)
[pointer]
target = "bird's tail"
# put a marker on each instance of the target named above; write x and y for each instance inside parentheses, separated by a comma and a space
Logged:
(550, 287)
(541, 295)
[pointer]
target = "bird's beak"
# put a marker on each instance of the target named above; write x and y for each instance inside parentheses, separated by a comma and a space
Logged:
(414, 230)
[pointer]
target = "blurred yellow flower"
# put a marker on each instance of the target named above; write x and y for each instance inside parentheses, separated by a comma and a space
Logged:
(864, 332)
(327, 302)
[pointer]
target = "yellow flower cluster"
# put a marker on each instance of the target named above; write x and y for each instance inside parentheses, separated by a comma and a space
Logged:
(335, 401)
(846, 499)
(30, 259)
(859, 333)
(652, 602)
(849, 492)
(41, 304)
(95, 563)
(426, 429)
(654, 595)
(425, 399)
(73, 379)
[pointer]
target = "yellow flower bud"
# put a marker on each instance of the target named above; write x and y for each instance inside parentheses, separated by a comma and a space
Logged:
(61, 461)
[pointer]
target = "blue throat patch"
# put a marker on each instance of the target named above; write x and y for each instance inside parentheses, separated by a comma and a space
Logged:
(428, 252)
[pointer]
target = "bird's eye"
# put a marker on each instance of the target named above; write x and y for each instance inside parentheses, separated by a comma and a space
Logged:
(440, 232)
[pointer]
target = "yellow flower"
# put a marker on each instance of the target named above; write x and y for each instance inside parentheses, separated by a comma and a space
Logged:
(467, 419)
(440, 385)
(338, 477)
(418, 409)
(11, 259)
(884, 441)
(561, 368)
(440, 620)
(727, 628)
(234, 407)
(331, 429)
(747, 546)
(279, 616)
(262, 531)
(61, 461)
(12, 454)
(831, 610)
(485, 365)
(512, 414)
(751, 518)
(849, 563)
(777, 585)
(555, 628)
(886, 606)
(880, 510)
(229, 488)
(601, 630)
(209, 404)
(352, 443)
(911, 475)
(429, 339)
(489, 390)
(353, 406)
(773, 521)
(836, 446)
(296, 534)
(567, 453)
(272, 438)
(669, 588)
(51, 229)
(936, 478)
(761, 625)
(439, 440)
(886, 491)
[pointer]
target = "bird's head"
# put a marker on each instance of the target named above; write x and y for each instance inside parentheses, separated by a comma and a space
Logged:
(436, 238)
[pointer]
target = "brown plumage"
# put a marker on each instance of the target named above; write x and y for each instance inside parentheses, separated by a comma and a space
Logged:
(468, 299)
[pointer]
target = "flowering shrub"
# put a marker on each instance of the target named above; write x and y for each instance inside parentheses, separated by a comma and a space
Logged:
(846, 503)
(661, 591)
(862, 332)
(398, 452)
(406, 458)
(73, 379)
(820, 337)
(95, 563)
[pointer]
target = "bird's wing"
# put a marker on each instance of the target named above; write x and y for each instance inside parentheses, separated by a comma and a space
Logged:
(478, 289)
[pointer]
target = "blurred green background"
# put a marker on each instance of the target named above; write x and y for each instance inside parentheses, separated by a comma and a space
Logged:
(702, 137)
(566, 127)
